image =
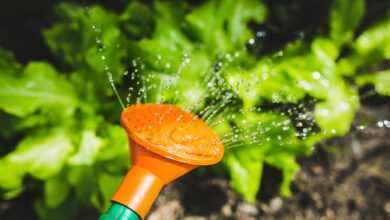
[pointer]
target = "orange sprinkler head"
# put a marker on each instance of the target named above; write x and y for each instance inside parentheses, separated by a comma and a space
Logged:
(166, 142)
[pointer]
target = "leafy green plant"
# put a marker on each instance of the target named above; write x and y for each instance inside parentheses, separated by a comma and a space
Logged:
(200, 57)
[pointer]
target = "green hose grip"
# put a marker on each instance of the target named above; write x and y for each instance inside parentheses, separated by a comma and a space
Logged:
(119, 212)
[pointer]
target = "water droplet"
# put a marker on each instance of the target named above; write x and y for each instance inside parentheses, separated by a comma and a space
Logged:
(261, 34)
(316, 75)
(228, 57)
(325, 83)
(361, 127)
(386, 123)
(304, 84)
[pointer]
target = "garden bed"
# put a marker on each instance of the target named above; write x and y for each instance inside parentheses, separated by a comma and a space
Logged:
(347, 178)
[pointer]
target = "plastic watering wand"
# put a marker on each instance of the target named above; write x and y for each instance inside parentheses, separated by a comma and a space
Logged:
(166, 143)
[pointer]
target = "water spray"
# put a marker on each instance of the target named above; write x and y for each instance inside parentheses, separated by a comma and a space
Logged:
(166, 143)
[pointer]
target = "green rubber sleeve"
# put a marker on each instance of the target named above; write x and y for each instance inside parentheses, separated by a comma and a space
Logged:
(119, 212)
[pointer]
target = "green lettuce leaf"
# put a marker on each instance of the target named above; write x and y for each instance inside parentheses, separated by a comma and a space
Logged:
(41, 155)
(257, 139)
(89, 148)
(8, 64)
(375, 40)
(222, 26)
(370, 48)
(245, 167)
(179, 57)
(89, 39)
(56, 191)
(137, 20)
(380, 80)
(38, 87)
(345, 16)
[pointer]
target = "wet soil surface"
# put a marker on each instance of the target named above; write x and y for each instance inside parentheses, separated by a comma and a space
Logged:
(345, 178)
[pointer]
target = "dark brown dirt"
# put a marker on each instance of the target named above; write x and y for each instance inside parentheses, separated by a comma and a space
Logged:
(345, 178)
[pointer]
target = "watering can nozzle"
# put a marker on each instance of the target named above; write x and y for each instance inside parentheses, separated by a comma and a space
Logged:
(166, 143)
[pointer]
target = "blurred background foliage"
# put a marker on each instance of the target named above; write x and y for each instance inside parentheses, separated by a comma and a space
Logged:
(281, 75)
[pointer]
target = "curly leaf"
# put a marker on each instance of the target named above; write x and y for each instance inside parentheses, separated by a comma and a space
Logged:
(245, 167)
(345, 16)
(380, 80)
(375, 40)
(41, 155)
(56, 191)
(223, 25)
(39, 87)
(88, 151)
(88, 38)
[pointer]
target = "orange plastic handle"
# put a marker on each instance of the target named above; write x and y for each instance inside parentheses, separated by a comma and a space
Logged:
(144, 181)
